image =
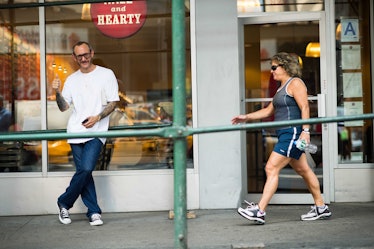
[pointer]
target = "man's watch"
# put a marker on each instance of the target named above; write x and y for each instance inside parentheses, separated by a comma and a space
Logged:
(306, 130)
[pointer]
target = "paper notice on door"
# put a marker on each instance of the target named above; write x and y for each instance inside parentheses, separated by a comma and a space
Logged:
(351, 57)
(353, 108)
(352, 85)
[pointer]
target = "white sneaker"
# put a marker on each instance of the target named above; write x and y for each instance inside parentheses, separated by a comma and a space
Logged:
(317, 214)
(64, 216)
(252, 212)
(95, 220)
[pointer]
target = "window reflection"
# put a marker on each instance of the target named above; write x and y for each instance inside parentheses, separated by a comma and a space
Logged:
(142, 64)
(355, 138)
(20, 86)
(261, 42)
(250, 6)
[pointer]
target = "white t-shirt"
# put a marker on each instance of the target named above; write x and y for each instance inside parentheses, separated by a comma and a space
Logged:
(88, 94)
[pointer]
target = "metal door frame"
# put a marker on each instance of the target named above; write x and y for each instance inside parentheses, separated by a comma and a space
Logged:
(278, 17)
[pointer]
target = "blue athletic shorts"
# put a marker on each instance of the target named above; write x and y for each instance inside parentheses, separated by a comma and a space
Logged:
(285, 145)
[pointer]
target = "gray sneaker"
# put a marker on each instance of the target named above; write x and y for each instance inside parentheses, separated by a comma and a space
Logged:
(95, 220)
(63, 215)
(252, 212)
(316, 213)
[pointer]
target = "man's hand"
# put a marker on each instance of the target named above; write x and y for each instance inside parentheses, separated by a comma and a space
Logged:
(56, 83)
(91, 121)
(61, 103)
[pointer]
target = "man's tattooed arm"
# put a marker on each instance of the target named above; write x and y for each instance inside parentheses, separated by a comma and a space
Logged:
(109, 108)
(61, 103)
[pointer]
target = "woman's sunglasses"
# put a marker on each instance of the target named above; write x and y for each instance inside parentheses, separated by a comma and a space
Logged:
(274, 67)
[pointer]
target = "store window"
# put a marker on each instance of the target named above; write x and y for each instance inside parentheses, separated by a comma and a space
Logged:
(20, 108)
(250, 6)
(141, 61)
(354, 80)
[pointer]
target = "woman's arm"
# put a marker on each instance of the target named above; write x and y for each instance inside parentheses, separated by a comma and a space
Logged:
(260, 114)
(298, 90)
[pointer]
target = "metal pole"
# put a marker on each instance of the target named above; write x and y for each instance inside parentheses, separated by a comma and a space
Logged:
(179, 120)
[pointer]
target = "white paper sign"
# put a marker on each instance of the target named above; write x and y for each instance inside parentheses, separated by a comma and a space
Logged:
(352, 85)
(353, 108)
(351, 57)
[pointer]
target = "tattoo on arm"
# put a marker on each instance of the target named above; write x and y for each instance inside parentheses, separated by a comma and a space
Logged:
(108, 109)
(61, 103)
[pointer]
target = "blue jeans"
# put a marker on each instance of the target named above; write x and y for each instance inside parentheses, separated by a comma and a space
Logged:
(82, 183)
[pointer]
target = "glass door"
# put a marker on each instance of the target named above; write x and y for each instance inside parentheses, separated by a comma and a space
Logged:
(264, 36)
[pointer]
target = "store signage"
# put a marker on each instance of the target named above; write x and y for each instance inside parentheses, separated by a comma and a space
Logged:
(350, 30)
(119, 19)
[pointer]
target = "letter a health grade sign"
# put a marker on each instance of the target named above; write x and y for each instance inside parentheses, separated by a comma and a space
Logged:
(119, 19)
(350, 30)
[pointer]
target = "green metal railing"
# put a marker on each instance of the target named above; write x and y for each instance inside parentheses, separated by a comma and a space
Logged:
(178, 130)
(169, 131)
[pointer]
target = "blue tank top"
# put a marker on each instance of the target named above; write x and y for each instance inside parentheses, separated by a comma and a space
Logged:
(285, 105)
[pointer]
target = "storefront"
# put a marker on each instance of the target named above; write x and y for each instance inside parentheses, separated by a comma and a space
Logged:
(227, 72)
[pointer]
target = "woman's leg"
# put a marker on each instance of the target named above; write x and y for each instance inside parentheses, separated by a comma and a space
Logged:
(302, 168)
(275, 163)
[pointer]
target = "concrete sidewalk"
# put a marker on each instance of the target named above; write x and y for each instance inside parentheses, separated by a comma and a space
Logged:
(351, 226)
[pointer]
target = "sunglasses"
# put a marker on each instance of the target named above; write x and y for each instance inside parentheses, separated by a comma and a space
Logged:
(80, 56)
(274, 67)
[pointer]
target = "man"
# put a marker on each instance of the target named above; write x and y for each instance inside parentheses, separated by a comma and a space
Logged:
(5, 116)
(92, 92)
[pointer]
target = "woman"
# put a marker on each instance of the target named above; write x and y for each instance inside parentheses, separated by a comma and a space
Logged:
(289, 103)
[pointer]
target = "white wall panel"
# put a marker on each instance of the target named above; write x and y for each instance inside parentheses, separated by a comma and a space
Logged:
(218, 100)
(118, 192)
(354, 185)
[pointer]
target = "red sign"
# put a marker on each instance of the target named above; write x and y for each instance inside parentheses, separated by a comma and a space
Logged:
(119, 19)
